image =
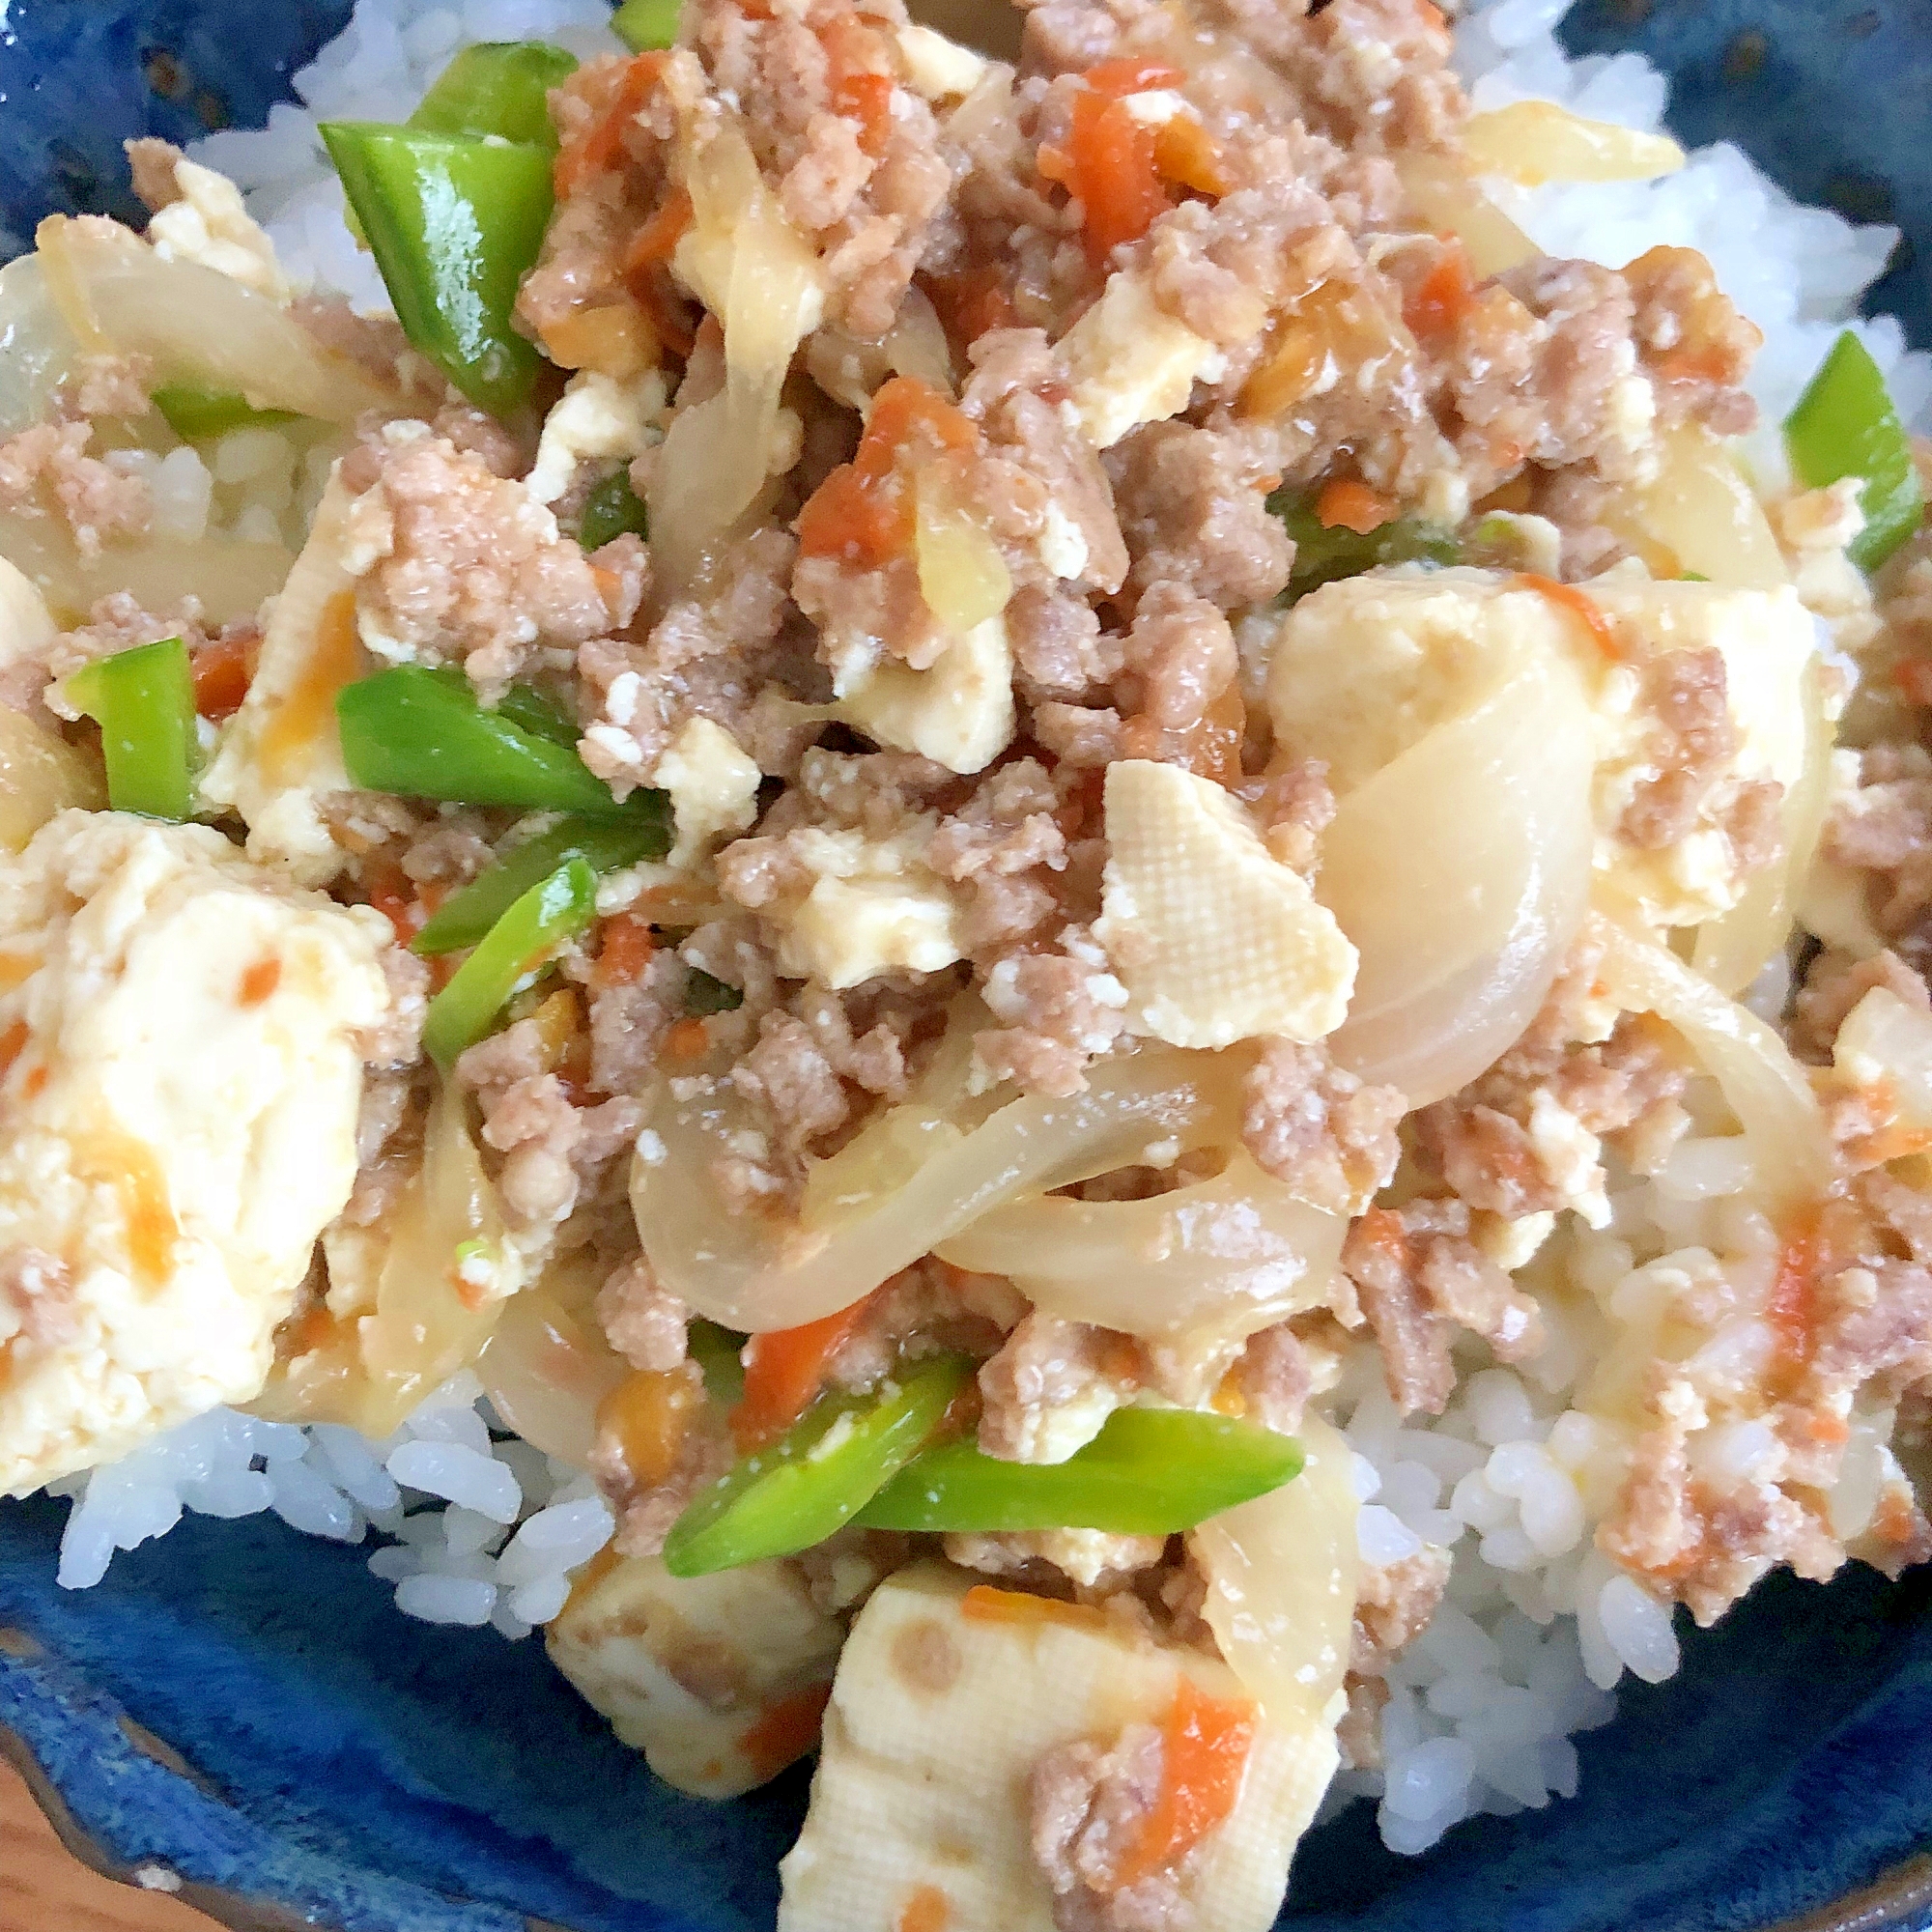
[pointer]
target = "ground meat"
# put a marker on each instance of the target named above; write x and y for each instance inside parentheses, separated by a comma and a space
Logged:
(395, 1041)
(1047, 1367)
(116, 623)
(927, 1309)
(1061, 1010)
(1421, 1278)
(1696, 348)
(34, 1299)
(1834, 984)
(1294, 806)
(1194, 513)
(1090, 1803)
(1058, 650)
(643, 1323)
(629, 1019)
(1276, 1377)
(151, 167)
(468, 569)
(100, 503)
(108, 386)
(1358, 1737)
(1883, 828)
(1318, 1128)
(1693, 742)
(1394, 1604)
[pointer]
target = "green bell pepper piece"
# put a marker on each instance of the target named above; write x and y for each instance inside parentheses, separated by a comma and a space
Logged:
(453, 222)
(703, 995)
(422, 734)
(717, 1351)
(611, 510)
(646, 25)
(143, 699)
(1149, 1473)
(533, 712)
(517, 944)
(1845, 425)
(1321, 556)
(815, 1478)
(195, 414)
(604, 844)
(498, 87)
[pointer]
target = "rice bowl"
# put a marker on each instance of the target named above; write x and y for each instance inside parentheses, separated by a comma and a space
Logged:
(1508, 1577)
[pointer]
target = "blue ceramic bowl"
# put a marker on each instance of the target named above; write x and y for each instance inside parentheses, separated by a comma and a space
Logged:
(240, 1711)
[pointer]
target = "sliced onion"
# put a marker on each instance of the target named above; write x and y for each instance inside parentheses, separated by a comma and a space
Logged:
(115, 293)
(1282, 1574)
(1699, 513)
(1885, 1042)
(912, 1180)
(229, 576)
(547, 1365)
(1733, 948)
(1765, 1088)
(41, 775)
(962, 576)
(753, 270)
(1460, 871)
(1452, 203)
(1216, 1262)
(1536, 141)
(37, 347)
(373, 1368)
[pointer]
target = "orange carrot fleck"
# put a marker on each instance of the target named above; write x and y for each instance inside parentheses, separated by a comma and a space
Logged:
(786, 1731)
(394, 895)
(626, 950)
(984, 1605)
(1350, 505)
(648, 1415)
(1444, 297)
(1204, 1753)
(867, 100)
(784, 1370)
(1585, 609)
(687, 1040)
(12, 1043)
(222, 672)
(861, 513)
(260, 981)
(602, 143)
(1185, 152)
(1791, 1308)
(926, 1909)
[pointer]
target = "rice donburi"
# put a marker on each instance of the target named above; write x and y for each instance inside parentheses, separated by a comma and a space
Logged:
(980, 883)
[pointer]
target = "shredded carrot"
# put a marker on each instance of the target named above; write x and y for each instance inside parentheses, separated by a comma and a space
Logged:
(222, 672)
(394, 895)
(1125, 76)
(1706, 362)
(1585, 609)
(644, 263)
(1896, 1519)
(926, 1909)
(784, 1369)
(1229, 1397)
(970, 303)
(1825, 1427)
(1791, 1308)
(867, 100)
(984, 1605)
(786, 1731)
(1350, 505)
(306, 714)
(1109, 168)
(1185, 153)
(626, 950)
(656, 241)
(1205, 1753)
(861, 513)
(603, 142)
(1444, 296)
(648, 1416)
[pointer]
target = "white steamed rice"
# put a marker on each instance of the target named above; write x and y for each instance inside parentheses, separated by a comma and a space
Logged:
(477, 1528)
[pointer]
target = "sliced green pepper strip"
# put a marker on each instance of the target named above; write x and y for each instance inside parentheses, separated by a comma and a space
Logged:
(611, 510)
(143, 699)
(717, 1352)
(1845, 425)
(195, 414)
(1322, 555)
(646, 25)
(518, 944)
(421, 733)
(453, 222)
(1149, 1473)
(703, 995)
(537, 714)
(814, 1479)
(498, 87)
(604, 844)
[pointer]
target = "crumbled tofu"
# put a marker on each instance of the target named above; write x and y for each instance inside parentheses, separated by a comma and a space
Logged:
(936, 1723)
(183, 1081)
(1570, 1156)
(1214, 939)
(713, 787)
(596, 419)
(209, 225)
(280, 754)
(939, 67)
(1131, 362)
(872, 906)
(958, 712)
(1363, 669)
(711, 1677)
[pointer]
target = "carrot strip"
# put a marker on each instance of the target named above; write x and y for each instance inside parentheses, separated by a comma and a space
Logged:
(784, 1369)
(221, 673)
(603, 142)
(1445, 295)
(867, 100)
(787, 1731)
(984, 1605)
(626, 950)
(1346, 504)
(1568, 598)
(1205, 1753)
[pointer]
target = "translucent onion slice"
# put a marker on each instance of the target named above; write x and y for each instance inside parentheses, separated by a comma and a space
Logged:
(1699, 513)
(1216, 1262)
(753, 270)
(1452, 203)
(1460, 871)
(41, 775)
(37, 347)
(1765, 1088)
(1733, 949)
(1536, 141)
(1282, 1575)
(199, 325)
(370, 1372)
(547, 1365)
(911, 1180)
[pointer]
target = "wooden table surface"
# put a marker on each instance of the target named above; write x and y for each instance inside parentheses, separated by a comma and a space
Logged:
(44, 1889)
